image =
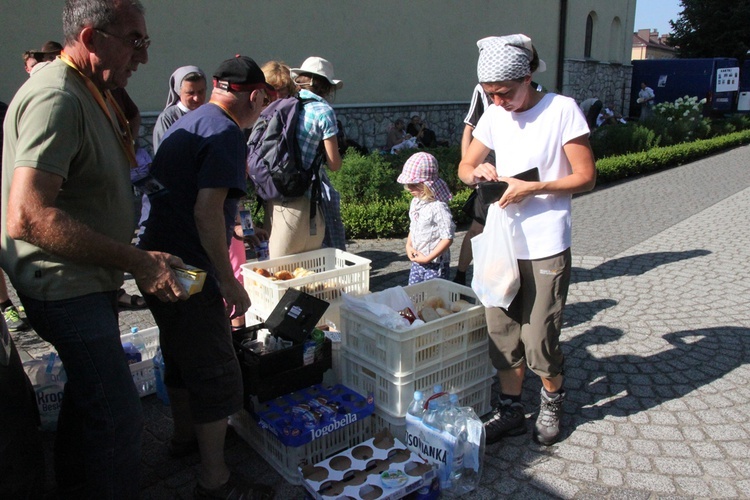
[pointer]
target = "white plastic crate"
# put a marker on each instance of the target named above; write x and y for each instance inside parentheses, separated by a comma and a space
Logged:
(287, 459)
(401, 352)
(393, 393)
(143, 371)
(477, 396)
(335, 272)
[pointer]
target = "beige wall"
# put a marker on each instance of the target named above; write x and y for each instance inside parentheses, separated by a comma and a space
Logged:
(387, 51)
(613, 28)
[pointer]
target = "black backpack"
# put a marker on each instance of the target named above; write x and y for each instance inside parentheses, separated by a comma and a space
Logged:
(274, 160)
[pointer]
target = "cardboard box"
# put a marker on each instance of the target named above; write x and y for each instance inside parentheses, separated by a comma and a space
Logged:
(357, 472)
(313, 412)
(191, 278)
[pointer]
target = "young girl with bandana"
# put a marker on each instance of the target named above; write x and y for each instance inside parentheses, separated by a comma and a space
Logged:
(529, 129)
(431, 229)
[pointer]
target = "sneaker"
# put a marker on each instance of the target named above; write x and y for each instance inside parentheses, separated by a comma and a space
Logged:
(547, 428)
(508, 419)
(237, 488)
(14, 320)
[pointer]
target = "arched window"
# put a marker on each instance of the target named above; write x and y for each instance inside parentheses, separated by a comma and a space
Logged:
(615, 41)
(589, 36)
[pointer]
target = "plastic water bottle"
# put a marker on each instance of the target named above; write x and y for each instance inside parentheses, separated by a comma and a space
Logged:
(414, 414)
(137, 340)
(161, 389)
(132, 354)
(431, 418)
(432, 429)
(416, 407)
(438, 395)
(455, 424)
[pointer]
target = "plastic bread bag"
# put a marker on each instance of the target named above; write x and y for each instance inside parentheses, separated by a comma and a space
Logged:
(383, 308)
(496, 277)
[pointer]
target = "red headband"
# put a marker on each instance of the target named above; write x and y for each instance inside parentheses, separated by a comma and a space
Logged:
(241, 87)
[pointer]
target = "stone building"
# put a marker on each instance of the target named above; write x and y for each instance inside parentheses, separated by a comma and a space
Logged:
(396, 58)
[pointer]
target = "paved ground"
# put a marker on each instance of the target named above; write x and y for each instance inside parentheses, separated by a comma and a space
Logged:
(657, 339)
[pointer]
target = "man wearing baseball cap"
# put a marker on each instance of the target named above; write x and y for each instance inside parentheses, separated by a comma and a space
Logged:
(49, 51)
(200, 166)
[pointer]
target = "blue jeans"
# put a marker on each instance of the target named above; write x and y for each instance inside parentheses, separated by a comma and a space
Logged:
(99, 430)
(21, 455)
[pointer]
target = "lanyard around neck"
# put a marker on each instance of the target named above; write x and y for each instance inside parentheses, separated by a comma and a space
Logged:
(119, 123)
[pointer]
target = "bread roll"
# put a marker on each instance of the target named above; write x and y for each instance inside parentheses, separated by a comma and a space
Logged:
(460, 305)
(428, 314)
(434, 302)
(262, 272)
(442, 312)
(284, 275)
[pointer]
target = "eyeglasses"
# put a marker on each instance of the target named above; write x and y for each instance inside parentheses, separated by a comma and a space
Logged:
(135, 43)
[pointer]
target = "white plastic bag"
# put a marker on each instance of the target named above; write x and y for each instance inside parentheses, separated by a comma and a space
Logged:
(496, 277)
(382, 307)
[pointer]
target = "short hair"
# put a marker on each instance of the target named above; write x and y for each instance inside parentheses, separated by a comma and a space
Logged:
(278, 75)
(398, 120)
(78, 14)
(318, 85)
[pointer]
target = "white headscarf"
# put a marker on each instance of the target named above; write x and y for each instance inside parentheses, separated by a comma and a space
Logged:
(503, 58)
(175, 83)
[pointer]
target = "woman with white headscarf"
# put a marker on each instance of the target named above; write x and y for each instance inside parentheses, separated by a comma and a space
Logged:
(187, 91)
(529, 129)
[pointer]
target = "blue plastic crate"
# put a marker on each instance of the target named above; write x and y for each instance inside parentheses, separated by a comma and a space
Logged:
(302, 416)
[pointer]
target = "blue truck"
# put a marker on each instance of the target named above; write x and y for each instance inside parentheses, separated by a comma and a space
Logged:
(673, 78)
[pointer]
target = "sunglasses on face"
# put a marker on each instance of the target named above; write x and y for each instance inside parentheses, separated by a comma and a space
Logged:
(134, 43)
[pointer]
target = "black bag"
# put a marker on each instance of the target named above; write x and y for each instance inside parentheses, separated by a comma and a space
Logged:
(491, 191)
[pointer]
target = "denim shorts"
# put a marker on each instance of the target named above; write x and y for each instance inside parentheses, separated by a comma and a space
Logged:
(196, 343)
(423, 272)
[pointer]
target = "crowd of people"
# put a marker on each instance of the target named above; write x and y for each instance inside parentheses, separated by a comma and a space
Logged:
(70, 160)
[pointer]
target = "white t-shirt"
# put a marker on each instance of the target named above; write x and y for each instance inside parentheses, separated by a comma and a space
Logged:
(528, 139)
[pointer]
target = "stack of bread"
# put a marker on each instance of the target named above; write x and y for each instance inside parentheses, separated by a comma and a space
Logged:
(436, 308)
(283, 275)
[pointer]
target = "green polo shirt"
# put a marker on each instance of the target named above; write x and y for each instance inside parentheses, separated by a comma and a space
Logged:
(55, 124)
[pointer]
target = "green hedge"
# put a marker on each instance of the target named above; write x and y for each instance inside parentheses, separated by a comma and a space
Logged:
(374, 205)
(621, 167)
(379, 217)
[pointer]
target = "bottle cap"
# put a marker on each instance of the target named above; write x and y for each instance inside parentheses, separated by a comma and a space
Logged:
(418, 395)
(133, 329)
(318, 335)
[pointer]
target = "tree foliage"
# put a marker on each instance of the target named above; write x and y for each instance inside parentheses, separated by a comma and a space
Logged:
(712, 28)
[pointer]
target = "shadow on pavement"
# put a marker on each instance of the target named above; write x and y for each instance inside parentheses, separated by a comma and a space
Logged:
(624, 384)
(632, 265)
